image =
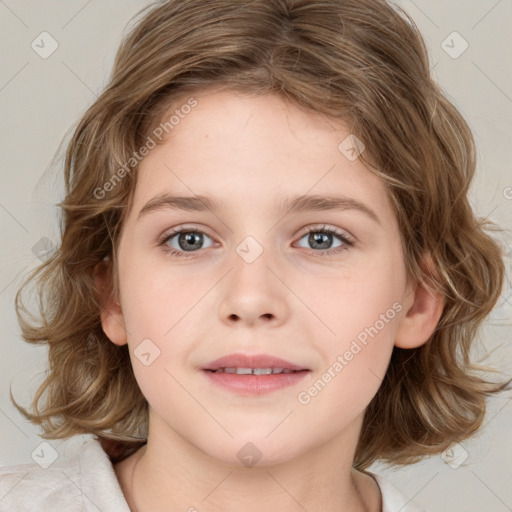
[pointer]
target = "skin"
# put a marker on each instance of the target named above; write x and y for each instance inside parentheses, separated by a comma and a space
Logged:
(250, 152)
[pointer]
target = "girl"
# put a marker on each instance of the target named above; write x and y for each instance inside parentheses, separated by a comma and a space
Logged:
(269, 276)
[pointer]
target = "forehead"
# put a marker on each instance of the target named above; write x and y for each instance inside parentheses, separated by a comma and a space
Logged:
(252, 153)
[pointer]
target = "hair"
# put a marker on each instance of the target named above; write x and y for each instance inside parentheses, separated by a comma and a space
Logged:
(360, 62)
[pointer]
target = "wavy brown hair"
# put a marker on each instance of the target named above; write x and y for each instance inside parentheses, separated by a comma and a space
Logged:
(362, 62)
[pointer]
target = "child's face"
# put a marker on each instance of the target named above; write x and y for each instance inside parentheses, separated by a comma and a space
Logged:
(295, 302)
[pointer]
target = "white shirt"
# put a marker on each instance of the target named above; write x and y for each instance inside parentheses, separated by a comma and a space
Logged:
(87, 482)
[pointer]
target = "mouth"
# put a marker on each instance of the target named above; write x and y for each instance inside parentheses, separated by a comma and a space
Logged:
(254, 374)
(254, 371)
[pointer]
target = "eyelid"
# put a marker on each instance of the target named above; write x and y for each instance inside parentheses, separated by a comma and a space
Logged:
(327, 227)
(183, 227)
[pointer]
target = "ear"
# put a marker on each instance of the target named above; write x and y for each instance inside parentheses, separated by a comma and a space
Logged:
(112, 318)
(423, 308)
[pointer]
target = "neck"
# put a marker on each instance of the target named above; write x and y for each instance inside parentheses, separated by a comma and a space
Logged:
(174, 475)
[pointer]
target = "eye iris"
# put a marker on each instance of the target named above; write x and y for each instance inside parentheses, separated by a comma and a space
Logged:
(322, 239)
(188, 238)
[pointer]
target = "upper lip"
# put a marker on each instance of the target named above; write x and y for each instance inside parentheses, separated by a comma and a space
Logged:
(251, 361)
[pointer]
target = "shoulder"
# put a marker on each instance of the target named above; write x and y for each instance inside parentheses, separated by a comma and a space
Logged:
(30, 487)
(83, 482)
(392, 499)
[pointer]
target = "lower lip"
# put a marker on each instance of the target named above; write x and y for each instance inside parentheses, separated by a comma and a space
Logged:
(255, 384)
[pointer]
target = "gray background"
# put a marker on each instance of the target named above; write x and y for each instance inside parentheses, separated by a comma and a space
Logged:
(42, 98)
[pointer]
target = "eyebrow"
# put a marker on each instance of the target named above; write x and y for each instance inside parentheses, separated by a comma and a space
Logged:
(296, 204)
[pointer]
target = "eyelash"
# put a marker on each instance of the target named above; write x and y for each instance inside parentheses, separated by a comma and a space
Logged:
(347, 242)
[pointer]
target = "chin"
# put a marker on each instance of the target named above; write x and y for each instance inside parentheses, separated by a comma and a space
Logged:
(258, 452)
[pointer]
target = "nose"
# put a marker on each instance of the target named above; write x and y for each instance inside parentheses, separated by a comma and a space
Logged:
(254, 293)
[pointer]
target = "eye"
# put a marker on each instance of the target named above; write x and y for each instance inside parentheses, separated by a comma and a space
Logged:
(321, 238)
(183, 240)
(190, 240)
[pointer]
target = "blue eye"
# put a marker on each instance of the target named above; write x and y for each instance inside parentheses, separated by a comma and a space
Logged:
(320, 237)
(189, 241)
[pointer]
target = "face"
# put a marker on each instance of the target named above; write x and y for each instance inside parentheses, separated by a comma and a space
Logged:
(322, 288)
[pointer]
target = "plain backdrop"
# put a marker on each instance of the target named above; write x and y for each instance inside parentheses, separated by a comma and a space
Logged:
(41, 98)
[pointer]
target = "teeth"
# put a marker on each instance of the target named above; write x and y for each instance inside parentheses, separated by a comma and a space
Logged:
(263, 371)
(242, 371)
(253, 371)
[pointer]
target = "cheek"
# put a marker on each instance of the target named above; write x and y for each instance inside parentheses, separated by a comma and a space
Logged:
(360, 310)
(156, 300)
(353, 299)
(158, 306)
(341, 390)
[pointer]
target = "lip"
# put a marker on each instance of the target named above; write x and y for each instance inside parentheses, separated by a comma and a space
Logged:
(253, 384)
(252, 361)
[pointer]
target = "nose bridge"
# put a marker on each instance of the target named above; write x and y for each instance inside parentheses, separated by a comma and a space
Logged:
(252, 291)
(252, 262)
